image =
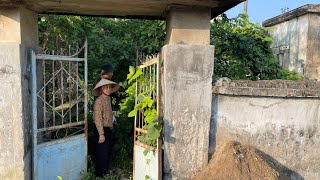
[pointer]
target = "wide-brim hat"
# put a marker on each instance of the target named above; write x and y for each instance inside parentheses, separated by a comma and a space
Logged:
(102, 82)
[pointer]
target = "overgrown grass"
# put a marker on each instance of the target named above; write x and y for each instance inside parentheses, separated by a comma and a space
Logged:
(114, 174)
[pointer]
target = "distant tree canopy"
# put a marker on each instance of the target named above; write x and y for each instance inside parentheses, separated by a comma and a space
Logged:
(242, 49)
(112, 41)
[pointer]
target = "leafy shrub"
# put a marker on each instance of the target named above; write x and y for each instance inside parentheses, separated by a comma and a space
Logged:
(242, 51)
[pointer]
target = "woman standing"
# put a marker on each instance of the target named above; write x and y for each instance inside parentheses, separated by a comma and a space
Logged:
(103, 123)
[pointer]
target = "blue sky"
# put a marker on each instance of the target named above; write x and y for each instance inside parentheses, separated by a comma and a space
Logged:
(261, 10)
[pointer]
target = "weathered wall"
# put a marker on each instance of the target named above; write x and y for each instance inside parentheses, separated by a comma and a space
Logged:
(281, 118)
(313, 50)
(296, 40)
(292, 34)
(18, 33)
(187, 108)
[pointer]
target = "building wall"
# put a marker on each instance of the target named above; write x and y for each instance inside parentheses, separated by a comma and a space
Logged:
(281, 120)
(290, 43)
(296, 40)
(313, 50)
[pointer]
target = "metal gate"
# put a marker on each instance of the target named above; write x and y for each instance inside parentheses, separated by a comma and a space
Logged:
(59, 113)
(148, 166)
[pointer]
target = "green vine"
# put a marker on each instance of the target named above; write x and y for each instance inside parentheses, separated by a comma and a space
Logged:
(146, 105)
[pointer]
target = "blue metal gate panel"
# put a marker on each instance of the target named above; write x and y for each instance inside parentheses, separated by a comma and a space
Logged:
(64, 157)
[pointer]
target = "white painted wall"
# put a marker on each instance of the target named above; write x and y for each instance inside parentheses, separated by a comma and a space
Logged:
(285, 128)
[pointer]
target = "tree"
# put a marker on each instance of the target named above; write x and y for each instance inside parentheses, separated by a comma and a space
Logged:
(242, 51)
(110, 40)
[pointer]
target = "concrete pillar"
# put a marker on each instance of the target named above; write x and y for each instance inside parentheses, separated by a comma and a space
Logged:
(187, 83)
(18, 33)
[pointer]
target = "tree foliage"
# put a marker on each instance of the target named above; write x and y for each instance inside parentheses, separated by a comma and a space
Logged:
(242, 51)
(114, 41)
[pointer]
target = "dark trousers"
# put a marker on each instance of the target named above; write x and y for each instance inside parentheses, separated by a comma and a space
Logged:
(102, 152)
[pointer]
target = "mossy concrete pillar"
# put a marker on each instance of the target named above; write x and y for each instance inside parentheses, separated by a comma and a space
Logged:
(18, 33)
(186, 87)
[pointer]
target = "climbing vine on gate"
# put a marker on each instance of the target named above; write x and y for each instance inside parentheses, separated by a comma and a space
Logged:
(146, 105)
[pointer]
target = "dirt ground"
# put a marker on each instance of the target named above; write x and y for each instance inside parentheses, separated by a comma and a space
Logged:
(234, 161)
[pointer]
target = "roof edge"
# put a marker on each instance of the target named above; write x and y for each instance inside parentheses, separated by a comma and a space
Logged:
(229, 4)
(221, 7)
(308, 8)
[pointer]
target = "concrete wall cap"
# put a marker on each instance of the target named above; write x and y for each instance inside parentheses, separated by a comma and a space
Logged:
(308, 8)
(267, 88)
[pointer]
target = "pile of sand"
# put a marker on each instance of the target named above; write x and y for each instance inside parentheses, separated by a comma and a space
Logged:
(234, 161)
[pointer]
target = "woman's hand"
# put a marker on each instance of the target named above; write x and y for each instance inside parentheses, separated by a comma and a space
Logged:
(102, 138)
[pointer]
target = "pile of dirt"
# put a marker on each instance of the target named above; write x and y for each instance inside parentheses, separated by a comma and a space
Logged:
(235, 161)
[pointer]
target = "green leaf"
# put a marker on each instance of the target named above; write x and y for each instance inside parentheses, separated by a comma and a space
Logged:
(146, 151)
(147, 112)
(149, 119)
(148, 101)
(59, 178)
(150, 115)
(147, 177)
(268, 39)
(153, 132)
(132, 70)
(132, 113)
(136, 75)
(138, 106)
(141, 97)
